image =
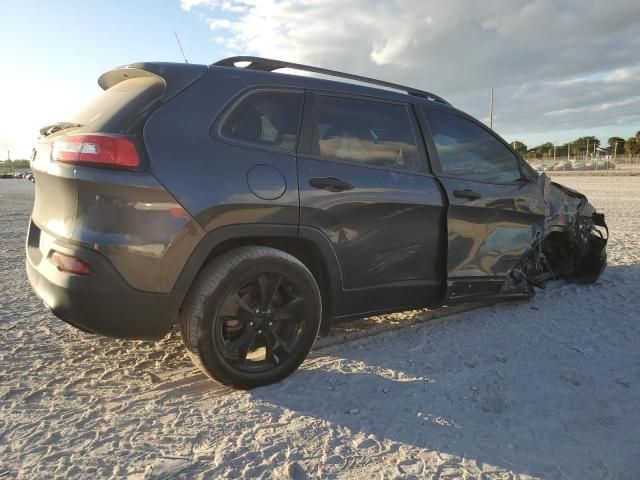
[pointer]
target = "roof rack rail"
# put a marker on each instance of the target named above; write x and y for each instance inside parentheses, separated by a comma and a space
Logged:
(269, 65)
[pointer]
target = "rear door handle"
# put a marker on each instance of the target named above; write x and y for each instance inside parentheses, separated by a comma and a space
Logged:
(332, 184)
(466, 193)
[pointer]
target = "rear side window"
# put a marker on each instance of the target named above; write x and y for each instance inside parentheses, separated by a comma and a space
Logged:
(467, 150)
(266, 118)
(363, 131)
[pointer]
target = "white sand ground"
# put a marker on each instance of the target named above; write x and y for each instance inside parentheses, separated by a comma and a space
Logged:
(548, 388)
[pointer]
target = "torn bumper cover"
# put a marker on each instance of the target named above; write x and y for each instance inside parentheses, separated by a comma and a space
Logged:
(571, 245)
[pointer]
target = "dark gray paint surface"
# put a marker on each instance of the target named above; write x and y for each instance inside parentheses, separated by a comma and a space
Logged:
(207, 175)
(487, 236)
(386, 229)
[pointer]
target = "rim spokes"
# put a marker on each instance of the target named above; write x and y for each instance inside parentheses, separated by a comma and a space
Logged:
(268, 283)
(260, 324)
(270, 345)
(290, 310)
(245, 312)
(276, 347)
(276, 342)
(239, 348)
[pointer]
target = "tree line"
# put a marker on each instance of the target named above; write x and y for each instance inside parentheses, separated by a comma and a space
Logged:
(580, 146)
(15, 163)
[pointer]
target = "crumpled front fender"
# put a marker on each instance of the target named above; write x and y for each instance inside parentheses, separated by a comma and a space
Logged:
(572, 246)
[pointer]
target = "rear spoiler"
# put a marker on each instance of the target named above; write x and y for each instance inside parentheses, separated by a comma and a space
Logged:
(176, 76)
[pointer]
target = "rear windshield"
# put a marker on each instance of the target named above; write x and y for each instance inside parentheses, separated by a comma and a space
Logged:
(115, 108)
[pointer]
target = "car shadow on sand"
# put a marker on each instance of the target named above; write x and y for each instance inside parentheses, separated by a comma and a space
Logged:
(517, 388)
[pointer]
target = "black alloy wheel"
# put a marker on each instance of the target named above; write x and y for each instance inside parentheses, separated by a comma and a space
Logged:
(252, 316)
(260, 324)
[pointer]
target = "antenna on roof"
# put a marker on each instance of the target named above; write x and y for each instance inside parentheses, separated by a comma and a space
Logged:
(491, 109)
(180, 45)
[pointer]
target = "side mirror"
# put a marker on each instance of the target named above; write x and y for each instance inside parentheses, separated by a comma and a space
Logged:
(528, 176)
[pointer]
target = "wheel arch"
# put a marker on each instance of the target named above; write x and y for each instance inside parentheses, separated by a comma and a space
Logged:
(307, 244)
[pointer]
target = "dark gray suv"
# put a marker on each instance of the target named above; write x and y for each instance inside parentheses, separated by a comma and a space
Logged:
(255, 208)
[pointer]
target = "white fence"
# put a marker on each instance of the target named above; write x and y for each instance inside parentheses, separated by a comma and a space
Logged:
(581, 163)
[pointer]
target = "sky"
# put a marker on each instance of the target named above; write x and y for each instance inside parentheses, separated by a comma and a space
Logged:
(560, 68)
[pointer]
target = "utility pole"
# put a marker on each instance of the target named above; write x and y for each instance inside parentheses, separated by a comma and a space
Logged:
(587, 152)
(554, 152)
(615, 150)
(9, 160)
(491, 110)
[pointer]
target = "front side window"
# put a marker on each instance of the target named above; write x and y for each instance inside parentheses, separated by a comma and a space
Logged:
(363, 131)
(468, 151)
(266, 118)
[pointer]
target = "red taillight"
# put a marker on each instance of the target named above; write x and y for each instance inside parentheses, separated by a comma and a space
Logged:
(179, 212)
(67, 263)
(99, 150)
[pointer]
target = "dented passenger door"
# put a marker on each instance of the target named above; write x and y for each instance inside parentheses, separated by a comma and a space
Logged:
(363, 185)
(495, 212)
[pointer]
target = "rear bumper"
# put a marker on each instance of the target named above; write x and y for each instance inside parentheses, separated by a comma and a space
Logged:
(102, 302)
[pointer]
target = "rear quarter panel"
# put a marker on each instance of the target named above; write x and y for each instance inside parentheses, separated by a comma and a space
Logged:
(128, 217)
(132, 220)
(208, 176)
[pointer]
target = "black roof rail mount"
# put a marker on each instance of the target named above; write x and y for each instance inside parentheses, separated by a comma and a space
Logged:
(269, 65)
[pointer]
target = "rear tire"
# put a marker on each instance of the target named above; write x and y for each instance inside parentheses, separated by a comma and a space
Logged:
(251, 316)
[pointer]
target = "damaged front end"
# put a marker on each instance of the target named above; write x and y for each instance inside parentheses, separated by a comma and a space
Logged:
(571, 245)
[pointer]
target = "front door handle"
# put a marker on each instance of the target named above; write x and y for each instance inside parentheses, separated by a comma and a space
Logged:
(332, 184)
(466, 193)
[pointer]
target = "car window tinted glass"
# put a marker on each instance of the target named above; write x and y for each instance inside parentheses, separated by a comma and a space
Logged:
(468, 150)
(268, 118)
(362, 131)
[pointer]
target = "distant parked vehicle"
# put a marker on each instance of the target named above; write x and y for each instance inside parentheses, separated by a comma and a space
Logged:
(560, 166)
(567, 166)
(6, 175)
(579, 166)
(605, 165)
(539, 167)
(590, 166)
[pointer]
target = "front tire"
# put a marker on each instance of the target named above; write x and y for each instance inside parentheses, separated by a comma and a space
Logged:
(251, 317)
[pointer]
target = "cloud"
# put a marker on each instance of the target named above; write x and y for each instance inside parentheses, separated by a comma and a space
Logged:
(187, 5)
(218, 23)
(620, 75)
(555, 64)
